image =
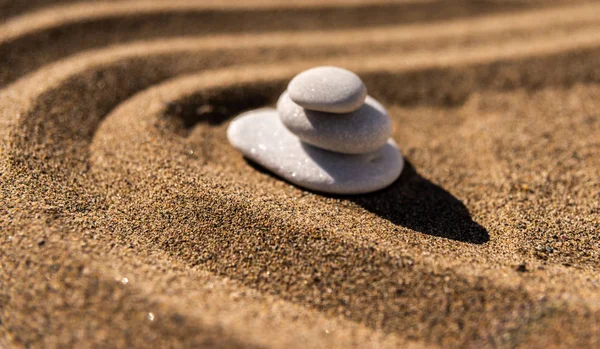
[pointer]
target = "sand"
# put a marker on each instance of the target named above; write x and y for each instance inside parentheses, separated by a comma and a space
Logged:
(127, 220)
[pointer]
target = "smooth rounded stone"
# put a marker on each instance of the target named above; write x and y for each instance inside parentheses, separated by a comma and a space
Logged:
(262, 138)
(328, 89)
(361, 131)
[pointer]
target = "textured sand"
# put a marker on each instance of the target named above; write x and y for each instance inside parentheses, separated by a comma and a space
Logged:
(128, 221)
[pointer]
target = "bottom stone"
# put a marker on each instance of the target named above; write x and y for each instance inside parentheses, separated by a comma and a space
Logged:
(262, 138)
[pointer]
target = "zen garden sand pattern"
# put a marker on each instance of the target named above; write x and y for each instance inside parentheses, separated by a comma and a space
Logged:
(128, 219)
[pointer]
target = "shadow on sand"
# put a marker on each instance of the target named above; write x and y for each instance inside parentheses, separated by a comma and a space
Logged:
(416, 203)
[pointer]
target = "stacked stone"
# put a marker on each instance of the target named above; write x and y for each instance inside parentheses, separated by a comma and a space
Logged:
(326, 135)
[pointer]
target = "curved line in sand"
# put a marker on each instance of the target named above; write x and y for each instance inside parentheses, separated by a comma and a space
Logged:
(66, 14)
(578, 38)
(51, 75)
(58, 16)
(410, 36)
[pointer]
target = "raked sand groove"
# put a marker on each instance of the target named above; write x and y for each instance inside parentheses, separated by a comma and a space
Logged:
(92, 25)
(128, 221)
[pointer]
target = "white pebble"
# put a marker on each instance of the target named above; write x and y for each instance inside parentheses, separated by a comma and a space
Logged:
(363, 130)
(262, 138)
(328, 89)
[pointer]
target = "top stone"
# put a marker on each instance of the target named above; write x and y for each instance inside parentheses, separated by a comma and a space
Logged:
(328, 89)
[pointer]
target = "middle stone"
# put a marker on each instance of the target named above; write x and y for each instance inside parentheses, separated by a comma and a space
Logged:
(361, 131)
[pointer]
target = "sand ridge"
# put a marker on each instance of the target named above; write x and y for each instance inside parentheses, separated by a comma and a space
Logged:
(115, 166)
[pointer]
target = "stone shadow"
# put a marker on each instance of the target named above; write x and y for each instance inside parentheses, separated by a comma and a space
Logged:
(414, 202)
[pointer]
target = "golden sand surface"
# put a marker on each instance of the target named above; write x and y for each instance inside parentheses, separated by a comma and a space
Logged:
(127, 220)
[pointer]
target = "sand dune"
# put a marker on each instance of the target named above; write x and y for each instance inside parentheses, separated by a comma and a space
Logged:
(128, 221)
